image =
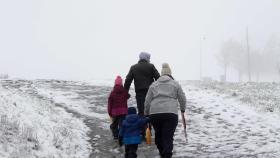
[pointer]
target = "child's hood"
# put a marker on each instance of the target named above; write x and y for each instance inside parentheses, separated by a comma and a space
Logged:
(119, 89)
(132, 119)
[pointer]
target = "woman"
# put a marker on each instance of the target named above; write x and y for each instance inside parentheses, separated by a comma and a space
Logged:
(161, 105)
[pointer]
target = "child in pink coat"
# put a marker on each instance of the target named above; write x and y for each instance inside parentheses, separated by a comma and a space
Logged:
(117, 106)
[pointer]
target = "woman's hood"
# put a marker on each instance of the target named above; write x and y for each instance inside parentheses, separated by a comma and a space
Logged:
(164, 78)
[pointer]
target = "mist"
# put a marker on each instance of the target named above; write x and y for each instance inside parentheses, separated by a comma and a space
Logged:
(80, 40)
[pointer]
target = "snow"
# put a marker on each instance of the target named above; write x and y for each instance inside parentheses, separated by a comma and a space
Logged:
(100, 82)
(263, 96)
(68, 99)
(51, 118)
(35, 128)
(223, 126)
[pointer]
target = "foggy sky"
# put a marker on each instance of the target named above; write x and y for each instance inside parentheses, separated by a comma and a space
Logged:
(87, 39)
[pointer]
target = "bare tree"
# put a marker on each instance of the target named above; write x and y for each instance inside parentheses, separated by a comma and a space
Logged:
(239, 62)
(248, 56)
(278, 68)
(257, 64)
(232, 53)
(224, 57)
(272, 55)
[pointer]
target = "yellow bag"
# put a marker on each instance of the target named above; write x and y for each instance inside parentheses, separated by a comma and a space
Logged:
(148, 136)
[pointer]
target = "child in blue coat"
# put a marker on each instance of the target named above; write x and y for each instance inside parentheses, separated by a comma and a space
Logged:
(130, 132)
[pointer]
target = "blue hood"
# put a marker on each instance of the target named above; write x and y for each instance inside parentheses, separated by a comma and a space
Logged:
(132, 118)
(131, 129)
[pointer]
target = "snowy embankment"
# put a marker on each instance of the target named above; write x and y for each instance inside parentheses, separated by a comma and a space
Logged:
(34, 127)
(263, 96)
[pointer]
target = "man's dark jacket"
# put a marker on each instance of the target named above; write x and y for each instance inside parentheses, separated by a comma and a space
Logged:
(143, 73)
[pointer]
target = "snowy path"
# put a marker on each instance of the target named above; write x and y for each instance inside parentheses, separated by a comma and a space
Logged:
(217, 125)
(91, 102)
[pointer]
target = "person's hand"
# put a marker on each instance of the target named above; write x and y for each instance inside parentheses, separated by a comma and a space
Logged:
(147, 118)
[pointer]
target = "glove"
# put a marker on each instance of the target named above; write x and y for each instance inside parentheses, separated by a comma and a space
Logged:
(147, 119)
(120, 141)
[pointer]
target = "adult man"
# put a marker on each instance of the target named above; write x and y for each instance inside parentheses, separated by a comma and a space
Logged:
(144, 74)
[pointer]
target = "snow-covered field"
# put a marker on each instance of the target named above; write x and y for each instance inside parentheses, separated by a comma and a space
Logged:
(51, 118)
(263, 96)
(220, 125)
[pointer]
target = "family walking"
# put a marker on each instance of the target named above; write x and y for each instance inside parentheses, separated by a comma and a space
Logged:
(158, 97)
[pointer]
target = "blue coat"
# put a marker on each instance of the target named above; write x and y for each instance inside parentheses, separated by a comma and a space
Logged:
(131, 129)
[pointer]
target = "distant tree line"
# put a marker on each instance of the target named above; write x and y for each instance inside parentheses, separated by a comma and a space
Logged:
(258, 63)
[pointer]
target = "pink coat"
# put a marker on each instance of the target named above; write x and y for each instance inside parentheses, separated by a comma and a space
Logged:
(117, 102)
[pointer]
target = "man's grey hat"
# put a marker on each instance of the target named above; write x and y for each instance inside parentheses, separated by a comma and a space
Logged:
(144, 56)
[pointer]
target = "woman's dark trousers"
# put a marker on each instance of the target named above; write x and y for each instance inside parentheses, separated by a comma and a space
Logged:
(164, 125)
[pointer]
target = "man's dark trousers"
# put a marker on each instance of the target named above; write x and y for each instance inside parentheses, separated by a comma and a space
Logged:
(140, 100)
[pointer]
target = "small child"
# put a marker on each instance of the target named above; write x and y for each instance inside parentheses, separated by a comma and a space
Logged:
(117, 106)
(130, 132)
